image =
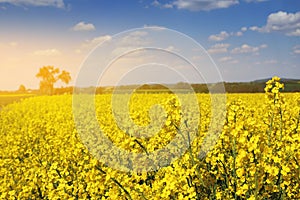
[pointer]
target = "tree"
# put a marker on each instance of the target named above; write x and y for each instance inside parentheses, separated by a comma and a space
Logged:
(22, 89)
(49, 76)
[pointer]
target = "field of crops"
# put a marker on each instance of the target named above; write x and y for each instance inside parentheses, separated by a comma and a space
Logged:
(11, 98)
(49, 150)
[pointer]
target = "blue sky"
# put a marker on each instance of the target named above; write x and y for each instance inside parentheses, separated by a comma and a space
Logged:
(247, 39)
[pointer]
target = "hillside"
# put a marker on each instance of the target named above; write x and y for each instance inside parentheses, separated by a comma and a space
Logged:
(256, 86)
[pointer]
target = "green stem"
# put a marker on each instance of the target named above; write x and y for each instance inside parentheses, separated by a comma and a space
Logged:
(270, 130)
(190, 152)
(256, 176)
(226, 174)
(119, 184)
(280, 112)
(188, 143)
(297, 123)
(278, 184)
(141, 194)
(234, 168)
(297, 163)
(256, 185)
(144, 149)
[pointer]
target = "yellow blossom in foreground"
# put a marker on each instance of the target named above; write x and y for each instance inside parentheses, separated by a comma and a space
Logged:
(255, 154)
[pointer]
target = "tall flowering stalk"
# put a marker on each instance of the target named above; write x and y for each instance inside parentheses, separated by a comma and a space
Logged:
(275, 101)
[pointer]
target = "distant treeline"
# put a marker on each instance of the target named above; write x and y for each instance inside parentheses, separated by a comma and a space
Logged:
(241, 87)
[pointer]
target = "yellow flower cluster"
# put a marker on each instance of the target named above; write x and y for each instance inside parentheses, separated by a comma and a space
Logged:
(256, 155)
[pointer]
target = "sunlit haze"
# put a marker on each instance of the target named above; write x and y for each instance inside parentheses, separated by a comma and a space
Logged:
(247, 39)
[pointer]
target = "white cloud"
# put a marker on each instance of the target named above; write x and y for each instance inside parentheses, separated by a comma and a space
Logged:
(54, 3)
(138, 33)
(200, 5)
(225, 59)
(239, 33)
(254, 28)
(257, 63)
(243, 29)
(223, 35)
(198, 57)
(47, 52)
(294, 33)
(155, 3)
(263, 46)
(266, 62)
(219, 37)
(90, 44)
(100, 39)
(282, 21)
(168, 5)
(172, 49)
(288, 23)
(155, 27)
(218, 48)
(136, 38)
(197, 5)
(82, 26)
(245, 48)
(255, 0)
(228, 59)
(272, 61)
(296, 49)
